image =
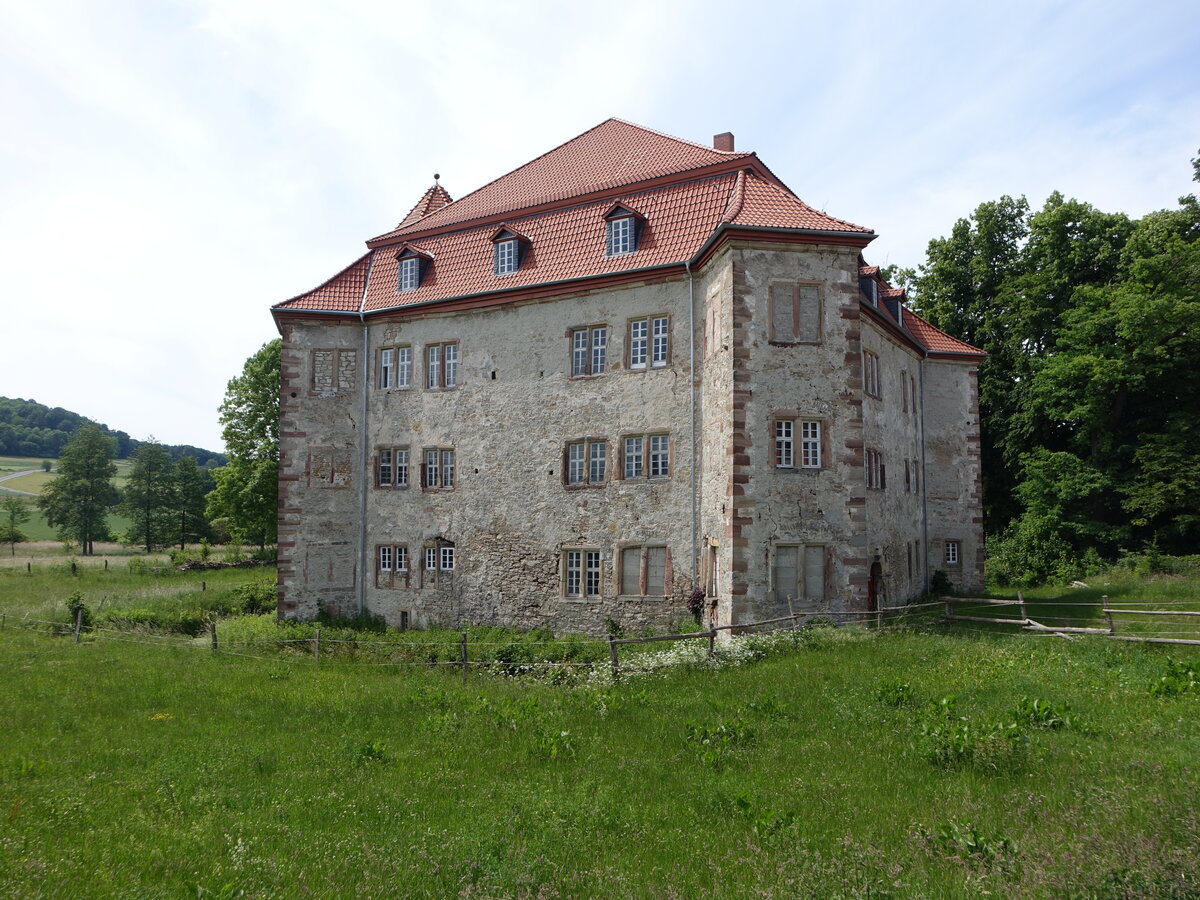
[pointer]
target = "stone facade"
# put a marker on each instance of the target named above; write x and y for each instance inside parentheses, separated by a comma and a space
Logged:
(457, 462)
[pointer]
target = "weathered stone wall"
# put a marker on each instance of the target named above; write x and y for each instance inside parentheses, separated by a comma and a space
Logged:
(952, 461)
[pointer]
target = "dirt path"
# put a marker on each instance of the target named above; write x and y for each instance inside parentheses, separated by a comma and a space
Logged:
(4, 478)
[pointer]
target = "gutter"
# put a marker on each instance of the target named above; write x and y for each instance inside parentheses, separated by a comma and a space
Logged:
(363, 454)
(924, 480)
(692, 395)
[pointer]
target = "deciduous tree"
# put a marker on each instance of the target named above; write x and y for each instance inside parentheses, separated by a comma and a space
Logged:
(78, 500)
(149, 496)
(14, 512)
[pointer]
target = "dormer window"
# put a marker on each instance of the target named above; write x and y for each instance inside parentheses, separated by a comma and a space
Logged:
(412, 266)
(410, 273)
(508, 250)
(622, 229)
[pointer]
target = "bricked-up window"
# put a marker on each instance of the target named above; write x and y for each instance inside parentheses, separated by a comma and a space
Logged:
(644, 571)
(785, 443)
(871, 374)
(438, 469)
(796, 313)
(876, 473)
(581, 573)
(649, 342)
(585, 462)
(589, 350)
(395, 368)
(441, 365)
(391, 467)
(952, 557)
(330, 467)
(798, 574)
(334, 371)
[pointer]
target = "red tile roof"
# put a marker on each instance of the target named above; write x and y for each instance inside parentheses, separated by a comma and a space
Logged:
(431, 201)
(341, 293)
(767, 205)
(613, 154)
(934, 339)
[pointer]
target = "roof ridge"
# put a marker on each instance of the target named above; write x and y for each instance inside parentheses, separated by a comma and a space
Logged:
(820, 212)
(737, 197)
(330, 280)
(435, 190)
(730, 153)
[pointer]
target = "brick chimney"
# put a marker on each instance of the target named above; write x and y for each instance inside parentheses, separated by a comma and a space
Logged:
(723, 141)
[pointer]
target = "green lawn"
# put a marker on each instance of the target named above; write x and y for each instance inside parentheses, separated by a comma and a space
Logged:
(848, 764)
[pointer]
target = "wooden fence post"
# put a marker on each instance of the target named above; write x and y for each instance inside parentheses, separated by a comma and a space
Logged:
(74, 568)
(712, 641)
(317, 645)
(949, 610)
(1021, 600)
(106, 564)
(78, 623)
(463, 653)
(204, 585)
(1112, 629)
(28, 568)
(212, 634)
(612, 652)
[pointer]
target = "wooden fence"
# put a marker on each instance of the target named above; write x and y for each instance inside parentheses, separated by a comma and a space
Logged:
(1028, 624)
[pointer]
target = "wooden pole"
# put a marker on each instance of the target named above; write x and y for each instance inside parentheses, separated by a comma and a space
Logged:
(317, 645)
(204, 585)
(949, 610)
(462, 646)
(78, 623)
(1021, 600)
(212, 634)
(106, 564)
(612, 652)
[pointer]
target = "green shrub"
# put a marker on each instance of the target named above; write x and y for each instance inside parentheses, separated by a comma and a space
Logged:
(79, 609)
(256, 596)
(1029, 552)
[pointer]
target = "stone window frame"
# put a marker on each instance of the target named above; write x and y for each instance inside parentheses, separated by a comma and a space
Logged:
(794, 337)
(439, 551)
(439, 481)
(649, 342)
(590, 367)
(875, 469)
(952, 552)
(388, 374)
(583, 570)
(802, 547)
(871, 380)
(394, 482)
(387, 577)
(587, 475)
(622, 469)
(799, 420)
(442, 374)
(643, 570)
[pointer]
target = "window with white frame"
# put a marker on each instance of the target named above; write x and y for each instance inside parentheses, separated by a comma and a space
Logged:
(810, 445)
(795, 313)
(644, 571)
(871, 374)
(785, 443)
(438, 469)
(798, 574)
(581, 573)
(649, 342)
(646, 456)
(439, 561)
(621, 236)
(391, 467)
(391, 565)
(410, 273)
(586, 462)
(875, 471)
(589, 350)
(507, 256)
(395, 368)
(952, 554)
(785, 448)
(441, 365)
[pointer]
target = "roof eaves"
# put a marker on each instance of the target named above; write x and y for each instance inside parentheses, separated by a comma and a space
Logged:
(865, 236)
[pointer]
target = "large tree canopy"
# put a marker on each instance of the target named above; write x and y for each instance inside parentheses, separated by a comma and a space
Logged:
(78, 500)
(149, 496)
(247, 488)
(1090, 396)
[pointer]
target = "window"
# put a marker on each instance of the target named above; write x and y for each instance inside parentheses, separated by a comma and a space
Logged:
(395, 367)
(904, 392)
(431, 559)
(798, 575)
(410, 273)
(916, 479)
(441, 365)
(586, 462)
(649, 342)
(439, 469)
(912, 384)
(506, 256)
(795, 313)
(871, 374)
(446, 559)
(644, 571)
(810, 445)
(581, 573)
(439, 561)
(391, 567)
(334, 371)
(784, 449)
(646, 456)
(620, 236)
(589, 350)
(907, 478)
(391, 468)
(952, 553)
(876, 474)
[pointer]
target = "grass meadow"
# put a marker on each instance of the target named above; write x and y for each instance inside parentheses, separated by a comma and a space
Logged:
(37, 529)
(829, 762)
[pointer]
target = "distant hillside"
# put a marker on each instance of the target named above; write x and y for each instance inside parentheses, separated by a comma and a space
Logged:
(28, 428)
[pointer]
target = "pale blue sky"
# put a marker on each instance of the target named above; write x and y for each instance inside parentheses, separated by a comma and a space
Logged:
(168, 170)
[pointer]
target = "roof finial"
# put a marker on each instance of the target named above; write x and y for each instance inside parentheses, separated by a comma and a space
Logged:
(436, 176)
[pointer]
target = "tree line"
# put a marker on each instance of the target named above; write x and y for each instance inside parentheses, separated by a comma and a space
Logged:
(1090, 394)
(29, 428)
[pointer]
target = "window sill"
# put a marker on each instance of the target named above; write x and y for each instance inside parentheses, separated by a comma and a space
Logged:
(641, 598)
(594, 599)
(585, 487)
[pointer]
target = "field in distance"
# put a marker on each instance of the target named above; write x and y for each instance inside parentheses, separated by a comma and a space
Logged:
(36, 528)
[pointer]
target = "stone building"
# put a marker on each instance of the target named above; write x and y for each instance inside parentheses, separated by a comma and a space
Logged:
(633, 368)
